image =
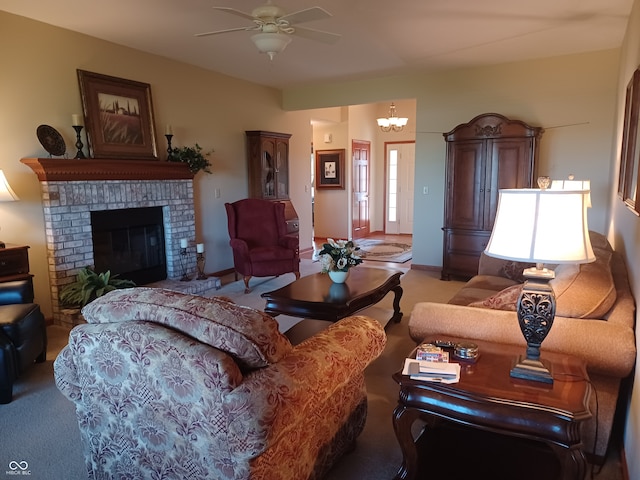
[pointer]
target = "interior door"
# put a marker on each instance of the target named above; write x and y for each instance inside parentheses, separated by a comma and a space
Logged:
(361, 152)
(399, 175)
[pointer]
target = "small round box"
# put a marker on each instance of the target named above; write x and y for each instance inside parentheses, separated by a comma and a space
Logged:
(466, 351)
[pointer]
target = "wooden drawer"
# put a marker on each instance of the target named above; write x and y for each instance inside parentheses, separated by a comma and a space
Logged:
(14, 260)
(293, 225)
(463, 265)
(473, 242)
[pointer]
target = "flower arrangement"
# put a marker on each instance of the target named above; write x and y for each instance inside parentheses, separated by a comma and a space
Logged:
(339, 256)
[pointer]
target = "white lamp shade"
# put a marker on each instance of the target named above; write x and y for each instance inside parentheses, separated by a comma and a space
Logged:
(6, 194)
(541, 226)
(271, 43)
(573, 185)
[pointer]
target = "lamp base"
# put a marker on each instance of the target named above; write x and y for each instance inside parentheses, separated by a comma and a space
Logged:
(534, 370)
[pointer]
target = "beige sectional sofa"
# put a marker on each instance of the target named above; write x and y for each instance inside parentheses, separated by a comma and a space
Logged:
(594, 321)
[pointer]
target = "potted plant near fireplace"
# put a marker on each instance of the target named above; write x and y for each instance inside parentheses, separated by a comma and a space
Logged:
(88, 286)
(192, 156)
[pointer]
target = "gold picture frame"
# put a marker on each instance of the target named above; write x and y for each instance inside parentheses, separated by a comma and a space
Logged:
(118, 116)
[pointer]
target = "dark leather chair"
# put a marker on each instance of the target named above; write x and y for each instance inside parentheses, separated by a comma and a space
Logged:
(259, 240)
(23, 334)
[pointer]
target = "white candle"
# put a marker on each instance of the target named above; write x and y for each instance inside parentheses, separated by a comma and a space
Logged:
(200, 248)
(75, 119)
(168, 130)
(183, 243)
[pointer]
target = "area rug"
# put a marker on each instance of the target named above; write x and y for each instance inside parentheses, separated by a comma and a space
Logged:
(381, 251)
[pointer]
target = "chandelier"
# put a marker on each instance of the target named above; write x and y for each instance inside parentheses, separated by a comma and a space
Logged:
(392, 122)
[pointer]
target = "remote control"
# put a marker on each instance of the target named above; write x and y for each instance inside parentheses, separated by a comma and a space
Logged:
(444, 343)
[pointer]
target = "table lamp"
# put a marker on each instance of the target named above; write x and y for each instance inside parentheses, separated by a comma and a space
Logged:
(6, 195)
(540, 226)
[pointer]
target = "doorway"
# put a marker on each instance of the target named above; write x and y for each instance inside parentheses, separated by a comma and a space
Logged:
(360, 153)
(399, 190)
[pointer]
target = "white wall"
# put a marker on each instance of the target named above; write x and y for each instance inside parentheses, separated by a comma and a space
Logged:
(624, 230)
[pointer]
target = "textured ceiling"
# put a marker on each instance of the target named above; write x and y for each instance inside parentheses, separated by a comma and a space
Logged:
(379, 38)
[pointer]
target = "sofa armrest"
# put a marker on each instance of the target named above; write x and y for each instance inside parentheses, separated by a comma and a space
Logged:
(606, 348)
(239, 246)
(17, 291)
(290, 241)
(303, 385)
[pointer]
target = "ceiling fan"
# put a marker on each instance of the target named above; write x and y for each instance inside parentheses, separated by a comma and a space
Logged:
(275, 27)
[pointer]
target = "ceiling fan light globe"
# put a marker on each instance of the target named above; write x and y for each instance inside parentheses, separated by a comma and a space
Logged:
(271, 43)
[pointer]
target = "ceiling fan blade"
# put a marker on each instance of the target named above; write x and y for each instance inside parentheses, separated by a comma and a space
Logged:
(238, 29)
(317, 35)
(233, 11)
(306, 15)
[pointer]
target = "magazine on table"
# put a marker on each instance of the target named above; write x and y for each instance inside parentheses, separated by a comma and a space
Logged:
(431, 371)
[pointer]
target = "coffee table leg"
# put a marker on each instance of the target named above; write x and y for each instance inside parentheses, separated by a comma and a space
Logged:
(572, 459)
(397, 314)
(403, 419)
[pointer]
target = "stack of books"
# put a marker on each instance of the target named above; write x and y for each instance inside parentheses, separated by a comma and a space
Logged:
(431, 371)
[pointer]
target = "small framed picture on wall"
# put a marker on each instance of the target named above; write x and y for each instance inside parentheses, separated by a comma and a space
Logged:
(330, 168)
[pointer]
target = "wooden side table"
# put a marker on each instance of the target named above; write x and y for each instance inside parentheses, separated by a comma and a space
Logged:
(487, 398)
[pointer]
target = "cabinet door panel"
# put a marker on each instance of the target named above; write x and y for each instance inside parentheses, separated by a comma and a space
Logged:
(465, 190)
(282, 169)
(511, 167)
(268, 170)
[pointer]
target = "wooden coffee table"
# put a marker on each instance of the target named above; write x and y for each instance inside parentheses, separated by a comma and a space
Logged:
(317, 297)
(487, 398)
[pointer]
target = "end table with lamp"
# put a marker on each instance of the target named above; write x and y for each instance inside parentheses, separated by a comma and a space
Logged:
(488, 400)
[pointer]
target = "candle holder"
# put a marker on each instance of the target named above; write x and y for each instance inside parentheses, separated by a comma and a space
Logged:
(169, 149)
(79, 153)
(200, 261)
(183, 263)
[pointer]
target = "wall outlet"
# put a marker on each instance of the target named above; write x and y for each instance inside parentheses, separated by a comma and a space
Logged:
(216, 192)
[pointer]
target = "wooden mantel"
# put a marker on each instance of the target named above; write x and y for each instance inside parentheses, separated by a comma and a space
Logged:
(66, 169)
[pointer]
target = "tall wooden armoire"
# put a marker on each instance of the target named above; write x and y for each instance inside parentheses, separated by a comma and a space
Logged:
(484, 155)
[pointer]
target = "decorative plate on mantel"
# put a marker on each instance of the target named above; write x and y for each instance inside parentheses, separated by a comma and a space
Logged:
(51, 140)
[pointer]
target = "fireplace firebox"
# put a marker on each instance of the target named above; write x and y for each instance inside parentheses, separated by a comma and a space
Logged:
(130, 242)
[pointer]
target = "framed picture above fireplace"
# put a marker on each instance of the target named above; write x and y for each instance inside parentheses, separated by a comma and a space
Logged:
(118, 116)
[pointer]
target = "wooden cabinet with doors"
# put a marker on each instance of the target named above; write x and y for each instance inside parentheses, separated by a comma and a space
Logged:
(268, 170)
(487, 154)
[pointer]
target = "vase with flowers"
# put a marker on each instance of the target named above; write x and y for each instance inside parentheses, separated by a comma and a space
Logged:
(337, 257)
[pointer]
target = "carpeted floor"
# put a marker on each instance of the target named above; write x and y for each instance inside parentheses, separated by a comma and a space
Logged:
(39, 427)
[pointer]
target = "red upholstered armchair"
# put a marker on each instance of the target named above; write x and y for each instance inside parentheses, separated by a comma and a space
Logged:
(259, 240)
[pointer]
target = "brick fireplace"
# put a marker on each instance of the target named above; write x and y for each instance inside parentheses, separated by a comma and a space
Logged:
(72, 189)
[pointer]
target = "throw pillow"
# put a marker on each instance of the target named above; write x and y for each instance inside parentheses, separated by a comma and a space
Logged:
(513, 270)
(506, 299)
(252, 337)
(586, 290)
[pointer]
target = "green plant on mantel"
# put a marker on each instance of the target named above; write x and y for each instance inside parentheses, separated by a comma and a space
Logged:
(192, 156)
(90, 285)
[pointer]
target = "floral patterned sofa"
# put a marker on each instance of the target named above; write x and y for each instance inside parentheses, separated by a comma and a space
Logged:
(169, 385)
